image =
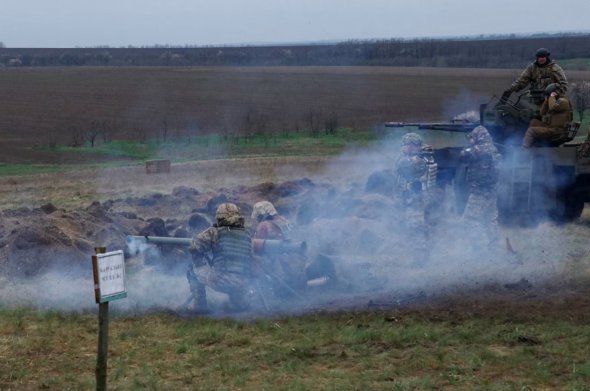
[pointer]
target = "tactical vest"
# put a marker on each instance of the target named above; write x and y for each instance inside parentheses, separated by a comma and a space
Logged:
(541, 77)
(233, 253)
(429, 179)
(483, 173)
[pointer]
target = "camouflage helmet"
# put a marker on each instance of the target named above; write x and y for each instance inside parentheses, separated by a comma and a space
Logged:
(412, 138)
(262, 210)
(542, 52)
(228, 212)
(480, 135)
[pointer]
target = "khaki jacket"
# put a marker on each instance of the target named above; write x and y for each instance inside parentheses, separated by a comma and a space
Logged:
(538, 77)
(556, 112)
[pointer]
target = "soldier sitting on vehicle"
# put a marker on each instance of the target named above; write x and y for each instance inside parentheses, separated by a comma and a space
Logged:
(538, 75)
(289, 267)
(222, 260)
(556, 116)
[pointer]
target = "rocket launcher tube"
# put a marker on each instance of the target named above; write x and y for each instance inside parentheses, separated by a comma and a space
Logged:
(259, 246)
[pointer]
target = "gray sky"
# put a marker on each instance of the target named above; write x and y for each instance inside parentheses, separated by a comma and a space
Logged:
(70, 23)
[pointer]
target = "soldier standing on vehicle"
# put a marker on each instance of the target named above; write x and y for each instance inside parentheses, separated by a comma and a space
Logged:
(480, 216)
(222, 260)
(411, 171)
(290, 267)
(556, 116)
(538, 75)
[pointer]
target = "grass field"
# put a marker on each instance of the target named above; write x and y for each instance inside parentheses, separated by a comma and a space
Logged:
(422, 349)
(525, 340)
(42, 109)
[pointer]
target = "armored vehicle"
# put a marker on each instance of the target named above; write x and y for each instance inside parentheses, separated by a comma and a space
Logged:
(549, 180)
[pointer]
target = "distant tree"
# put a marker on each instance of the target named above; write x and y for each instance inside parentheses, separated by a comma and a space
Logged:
(2, 46)
(313, 119)
(580, 96)
(331, 123)
(77, 135)
(93, 131)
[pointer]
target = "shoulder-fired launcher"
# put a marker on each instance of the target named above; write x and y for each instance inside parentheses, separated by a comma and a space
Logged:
(259, 246)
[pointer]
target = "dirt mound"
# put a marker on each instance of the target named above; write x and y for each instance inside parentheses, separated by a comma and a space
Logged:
(355, 236)
(33, 241)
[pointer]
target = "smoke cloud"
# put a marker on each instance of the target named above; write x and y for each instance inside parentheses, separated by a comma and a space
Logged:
(361, 233)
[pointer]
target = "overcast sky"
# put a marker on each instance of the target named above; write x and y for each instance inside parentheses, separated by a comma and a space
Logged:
(115, 23)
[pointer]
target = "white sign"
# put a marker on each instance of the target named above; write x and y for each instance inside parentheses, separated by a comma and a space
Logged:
(109, 276)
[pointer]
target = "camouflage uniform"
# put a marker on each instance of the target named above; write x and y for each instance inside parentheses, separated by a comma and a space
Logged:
(222, 259)
(271, 225)
(538, 77)
(433, 194)
(480, 216)
(411, 171)
(556, 114)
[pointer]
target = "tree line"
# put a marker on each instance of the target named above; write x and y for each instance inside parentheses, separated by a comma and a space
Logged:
(481, 52)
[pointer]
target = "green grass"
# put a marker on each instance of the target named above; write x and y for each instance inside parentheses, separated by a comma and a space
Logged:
(348, 351)
(27, 169)
(216, 146)
(577, 64)
(125, 152)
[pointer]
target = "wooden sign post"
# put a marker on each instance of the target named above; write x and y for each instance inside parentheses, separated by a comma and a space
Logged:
(109, 284)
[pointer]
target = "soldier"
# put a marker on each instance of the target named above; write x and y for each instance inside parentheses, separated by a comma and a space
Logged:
(538, 75)
(222, 259)
(433, 194)
(481, 212)
(411, 172)
(556, 115)
(271, 225)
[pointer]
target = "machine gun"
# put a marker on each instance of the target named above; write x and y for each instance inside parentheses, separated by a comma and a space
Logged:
(547, 180)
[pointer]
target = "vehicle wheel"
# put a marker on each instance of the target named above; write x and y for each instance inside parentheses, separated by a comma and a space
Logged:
(569, 208)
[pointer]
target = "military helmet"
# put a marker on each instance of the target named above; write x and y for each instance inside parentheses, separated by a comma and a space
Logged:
(262, 210)
(227, 211)
(542, 52)
(550, 88)
(412, 138)
(480, 135)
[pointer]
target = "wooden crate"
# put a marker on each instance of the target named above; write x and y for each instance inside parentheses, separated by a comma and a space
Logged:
(157, 166)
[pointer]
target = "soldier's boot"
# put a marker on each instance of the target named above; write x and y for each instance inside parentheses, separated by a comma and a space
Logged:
(237, 302)
(199, 304)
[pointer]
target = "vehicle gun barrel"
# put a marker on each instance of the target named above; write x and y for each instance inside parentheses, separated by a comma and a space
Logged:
(461, 127)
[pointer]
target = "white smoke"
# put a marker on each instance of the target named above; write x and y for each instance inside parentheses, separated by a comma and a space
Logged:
(364, 237)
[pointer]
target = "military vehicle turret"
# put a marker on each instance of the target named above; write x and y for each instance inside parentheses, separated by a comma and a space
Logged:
(549, 180)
